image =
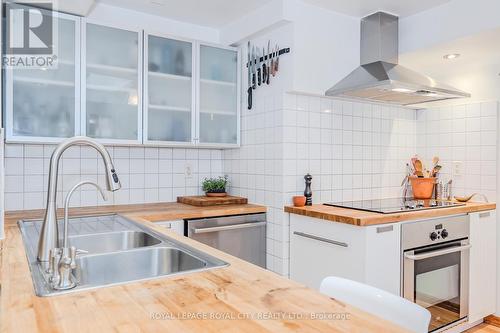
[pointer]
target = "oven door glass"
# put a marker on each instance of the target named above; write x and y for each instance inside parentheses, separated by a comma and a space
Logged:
(437, 284)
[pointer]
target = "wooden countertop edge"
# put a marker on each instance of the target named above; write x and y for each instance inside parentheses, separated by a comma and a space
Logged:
(162, 211)
(240, 288)
(363, 218)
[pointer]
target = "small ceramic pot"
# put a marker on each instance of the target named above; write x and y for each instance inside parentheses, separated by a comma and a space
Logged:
(299, 201)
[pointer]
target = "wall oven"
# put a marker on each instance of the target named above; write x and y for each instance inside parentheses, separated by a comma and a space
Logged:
(435, 262)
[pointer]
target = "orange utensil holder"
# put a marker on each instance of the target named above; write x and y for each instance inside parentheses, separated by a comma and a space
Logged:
(423, 188)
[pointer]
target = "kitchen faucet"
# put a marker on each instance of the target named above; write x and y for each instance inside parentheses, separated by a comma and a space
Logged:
(49, 237)
(63, 260)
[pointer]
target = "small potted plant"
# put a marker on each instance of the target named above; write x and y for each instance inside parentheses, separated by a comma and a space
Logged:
(215, 187)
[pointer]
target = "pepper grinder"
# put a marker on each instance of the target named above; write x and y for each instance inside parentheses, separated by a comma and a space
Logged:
(307, 192)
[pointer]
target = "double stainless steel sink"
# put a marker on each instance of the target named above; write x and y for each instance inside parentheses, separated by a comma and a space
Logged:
(119, 251)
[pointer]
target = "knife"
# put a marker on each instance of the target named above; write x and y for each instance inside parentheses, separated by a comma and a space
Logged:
(268, 61)
(272, 62)
(264, 67)
(257, 64)
(277, 62)
(249, 91)
(254, 75)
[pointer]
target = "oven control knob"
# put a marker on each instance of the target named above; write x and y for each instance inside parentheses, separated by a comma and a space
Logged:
(433, 236)
(444, 233)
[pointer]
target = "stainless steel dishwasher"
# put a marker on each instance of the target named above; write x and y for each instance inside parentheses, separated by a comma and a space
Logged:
(243, 236)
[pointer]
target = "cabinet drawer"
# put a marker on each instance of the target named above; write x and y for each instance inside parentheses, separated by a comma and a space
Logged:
(319, 249)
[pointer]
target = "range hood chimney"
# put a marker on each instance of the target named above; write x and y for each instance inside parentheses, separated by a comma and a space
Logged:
(380, 78)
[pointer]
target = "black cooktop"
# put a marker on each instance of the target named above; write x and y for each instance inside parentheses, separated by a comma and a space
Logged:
(394, 205)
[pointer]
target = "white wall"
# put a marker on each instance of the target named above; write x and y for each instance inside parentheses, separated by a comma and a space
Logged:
(324, 44)
(467, 134)
(452, 20)
(326, 48)
(146, 174)
(124, 17)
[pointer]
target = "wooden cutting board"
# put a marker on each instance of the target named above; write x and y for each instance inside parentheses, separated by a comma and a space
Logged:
(203, 201)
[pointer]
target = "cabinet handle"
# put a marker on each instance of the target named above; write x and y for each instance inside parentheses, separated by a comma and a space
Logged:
(321, 239)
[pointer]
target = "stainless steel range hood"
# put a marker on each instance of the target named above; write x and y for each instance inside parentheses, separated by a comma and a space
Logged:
(380, 78)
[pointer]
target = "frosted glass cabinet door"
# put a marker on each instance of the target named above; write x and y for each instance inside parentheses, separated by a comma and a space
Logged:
(169, 89)
(42, 103)
(218, 95)
(112, 104)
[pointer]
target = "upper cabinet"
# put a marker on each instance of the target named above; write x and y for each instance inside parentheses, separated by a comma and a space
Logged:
(42, 104)
(112, 108)
(218, 97)
(169, 88)
(126, 86)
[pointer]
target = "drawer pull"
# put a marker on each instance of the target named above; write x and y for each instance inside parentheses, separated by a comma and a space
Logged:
(482, 215)
(385, 229)
(321, 239)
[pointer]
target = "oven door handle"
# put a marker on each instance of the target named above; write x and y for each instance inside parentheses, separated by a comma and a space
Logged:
(437, 253)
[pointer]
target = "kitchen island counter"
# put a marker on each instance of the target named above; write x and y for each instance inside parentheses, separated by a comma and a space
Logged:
(365, 218)
(238, 298)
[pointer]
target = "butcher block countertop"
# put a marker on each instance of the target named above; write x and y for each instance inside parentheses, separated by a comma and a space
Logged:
(155, 212)
(364, 218)
(240, 297)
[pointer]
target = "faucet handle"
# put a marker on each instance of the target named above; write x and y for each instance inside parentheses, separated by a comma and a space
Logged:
(52, 264)
(72, 257)
(73, 252)
(53, 271)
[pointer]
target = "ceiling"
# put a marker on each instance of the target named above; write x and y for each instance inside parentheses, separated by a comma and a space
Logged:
(211, 13)
(476, 71)
(361, 8)
(217, 13)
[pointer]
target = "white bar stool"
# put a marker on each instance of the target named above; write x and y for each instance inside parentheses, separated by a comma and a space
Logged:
(378, 302)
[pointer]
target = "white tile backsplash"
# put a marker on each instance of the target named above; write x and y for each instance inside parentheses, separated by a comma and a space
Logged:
(146, 174)
(466, 134)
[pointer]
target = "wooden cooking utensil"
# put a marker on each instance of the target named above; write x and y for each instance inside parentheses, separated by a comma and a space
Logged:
(435, 161)
(436, 170)
(413, 159)
(464, 199)
(418, 168)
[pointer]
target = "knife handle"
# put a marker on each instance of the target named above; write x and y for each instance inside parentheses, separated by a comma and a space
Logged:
(259, 76)
(249, 91)
(268, 74)
(253, 81)
(264, 73)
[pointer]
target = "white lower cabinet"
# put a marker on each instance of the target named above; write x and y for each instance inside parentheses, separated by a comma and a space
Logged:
(176, 226)
(483, 258)
(372, 255)
(320, 248)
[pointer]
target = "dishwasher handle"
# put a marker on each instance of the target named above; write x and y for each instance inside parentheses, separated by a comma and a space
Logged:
(228, 227)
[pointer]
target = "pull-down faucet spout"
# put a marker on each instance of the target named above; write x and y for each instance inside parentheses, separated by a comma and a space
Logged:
(49, 234)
